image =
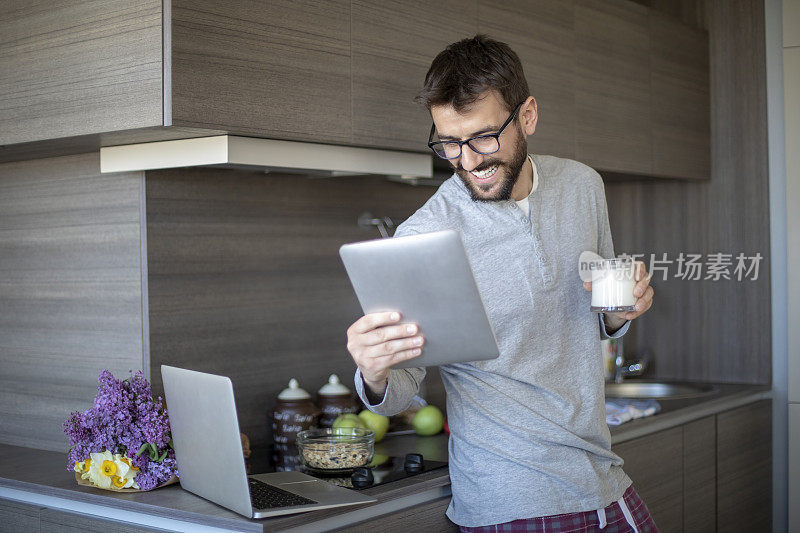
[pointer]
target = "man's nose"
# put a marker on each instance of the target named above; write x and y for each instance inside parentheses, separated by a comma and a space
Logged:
(470, 159)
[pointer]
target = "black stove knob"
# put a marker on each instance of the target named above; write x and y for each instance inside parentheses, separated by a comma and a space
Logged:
(362, 477)
(414, 463)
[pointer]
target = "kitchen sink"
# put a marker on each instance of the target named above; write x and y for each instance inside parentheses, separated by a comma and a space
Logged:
(654, 389)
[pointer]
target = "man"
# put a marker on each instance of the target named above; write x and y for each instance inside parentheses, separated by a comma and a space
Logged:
(528, 444)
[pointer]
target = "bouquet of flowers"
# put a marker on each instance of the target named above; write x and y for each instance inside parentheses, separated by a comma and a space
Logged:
(123, 442)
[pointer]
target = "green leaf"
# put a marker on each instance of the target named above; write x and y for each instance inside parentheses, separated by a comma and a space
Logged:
(163, 456)
(142, 449)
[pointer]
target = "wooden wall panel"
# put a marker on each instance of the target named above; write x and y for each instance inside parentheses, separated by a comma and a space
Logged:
(710, 330)
(273, 69)
(75, 68)
(70, 290)
(245, 278)
(393, 45)
(542, 33)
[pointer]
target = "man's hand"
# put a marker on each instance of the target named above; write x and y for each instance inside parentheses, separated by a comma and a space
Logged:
(642, 291)
(377, 342)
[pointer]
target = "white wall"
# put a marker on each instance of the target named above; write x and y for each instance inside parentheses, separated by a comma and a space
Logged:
(791, 97)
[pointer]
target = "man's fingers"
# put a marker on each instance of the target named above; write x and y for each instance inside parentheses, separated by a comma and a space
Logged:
(373, 320)
(394, 346)
(405, 355)
(388, 333)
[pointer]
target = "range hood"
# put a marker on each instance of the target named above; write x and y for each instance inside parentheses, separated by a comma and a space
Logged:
(231, 151)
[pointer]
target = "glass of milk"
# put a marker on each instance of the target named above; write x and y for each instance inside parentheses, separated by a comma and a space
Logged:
(612, 286)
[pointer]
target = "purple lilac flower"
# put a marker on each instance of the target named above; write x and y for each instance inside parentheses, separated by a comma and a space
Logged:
(124, 416)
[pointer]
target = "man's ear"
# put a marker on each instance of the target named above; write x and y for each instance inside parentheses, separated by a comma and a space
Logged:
(529, 115)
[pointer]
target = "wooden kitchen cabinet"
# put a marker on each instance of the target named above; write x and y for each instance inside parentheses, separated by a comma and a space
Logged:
(542, 33)
(393, 45)
(655, 464)
(612, 86)
(620, 87)
(77, 68)
(428, 517)
(744, 468)
(277, 69)
(711, 474)
(18, 517)
(700, 476)
(680, 100)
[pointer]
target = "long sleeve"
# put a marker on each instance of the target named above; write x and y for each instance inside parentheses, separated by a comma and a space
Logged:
(402, 387)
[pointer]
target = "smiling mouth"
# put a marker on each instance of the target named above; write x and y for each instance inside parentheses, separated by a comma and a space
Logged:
(487, 174)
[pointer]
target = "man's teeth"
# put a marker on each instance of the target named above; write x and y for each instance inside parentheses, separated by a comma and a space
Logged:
(483, 174)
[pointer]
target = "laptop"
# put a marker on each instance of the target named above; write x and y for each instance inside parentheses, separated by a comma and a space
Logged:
(427, 278)
(208, 448)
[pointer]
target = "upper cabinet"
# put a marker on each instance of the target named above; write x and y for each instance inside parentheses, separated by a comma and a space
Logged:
(542, 33)
(680, 99)
(619, 87)
(612, 86)
(76, 68)
(278, 69)
(393, 44)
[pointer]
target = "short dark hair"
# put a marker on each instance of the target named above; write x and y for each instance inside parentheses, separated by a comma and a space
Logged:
(467, 68)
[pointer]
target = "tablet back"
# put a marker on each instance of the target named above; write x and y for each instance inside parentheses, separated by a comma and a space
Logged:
(427, 278)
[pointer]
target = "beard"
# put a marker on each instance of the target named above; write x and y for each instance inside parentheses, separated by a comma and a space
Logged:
(508, 174)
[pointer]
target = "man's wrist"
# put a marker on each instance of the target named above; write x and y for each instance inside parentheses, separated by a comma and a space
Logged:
(375, 390)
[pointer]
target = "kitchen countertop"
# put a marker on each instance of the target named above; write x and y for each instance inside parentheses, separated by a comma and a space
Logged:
(40, 478)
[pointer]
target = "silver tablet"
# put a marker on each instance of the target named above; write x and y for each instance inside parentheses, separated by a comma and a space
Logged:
(428, 280)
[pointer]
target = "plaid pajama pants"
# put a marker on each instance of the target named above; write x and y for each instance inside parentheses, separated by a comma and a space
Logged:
(629, 513)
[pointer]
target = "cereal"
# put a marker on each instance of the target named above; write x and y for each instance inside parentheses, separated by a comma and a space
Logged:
(335, 456)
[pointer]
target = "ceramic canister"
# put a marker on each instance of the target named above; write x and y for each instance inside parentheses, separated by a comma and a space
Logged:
(335, 399)
(294, 412)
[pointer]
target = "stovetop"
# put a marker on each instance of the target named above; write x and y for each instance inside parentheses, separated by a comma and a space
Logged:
(393, 469)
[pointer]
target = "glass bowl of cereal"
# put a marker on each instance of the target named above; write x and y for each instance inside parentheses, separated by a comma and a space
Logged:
(335, 450)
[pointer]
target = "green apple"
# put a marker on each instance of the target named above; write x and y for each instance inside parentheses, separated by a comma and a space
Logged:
(377, 423)
(428, 421)
(349, 420)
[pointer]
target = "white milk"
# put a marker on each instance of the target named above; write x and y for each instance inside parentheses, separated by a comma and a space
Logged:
(612, 287)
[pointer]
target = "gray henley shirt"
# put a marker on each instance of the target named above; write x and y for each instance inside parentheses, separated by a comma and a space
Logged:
(528, 435)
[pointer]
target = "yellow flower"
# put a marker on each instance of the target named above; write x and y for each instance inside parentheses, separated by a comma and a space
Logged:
(79, 466)
(119, 482)
(88, 463)
(109, 468)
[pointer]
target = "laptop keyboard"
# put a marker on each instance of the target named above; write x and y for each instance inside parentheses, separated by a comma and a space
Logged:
(265, 496)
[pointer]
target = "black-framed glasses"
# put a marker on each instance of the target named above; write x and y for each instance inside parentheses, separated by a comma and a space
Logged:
(484, 144)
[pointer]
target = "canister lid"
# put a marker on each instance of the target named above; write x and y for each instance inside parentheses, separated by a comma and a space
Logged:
(293, 392)
(333, 387)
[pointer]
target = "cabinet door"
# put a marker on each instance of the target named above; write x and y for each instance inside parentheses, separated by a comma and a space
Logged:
(18, 517)
(744, 468)
(428, 517)
(700, 476)
(612, 86)
(393, 45)
(542, 33)
(272, 69)
(681, 126)
(77, 68)
(655, 464)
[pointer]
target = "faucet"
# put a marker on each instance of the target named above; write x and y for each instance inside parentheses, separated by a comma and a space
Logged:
(623, 369)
